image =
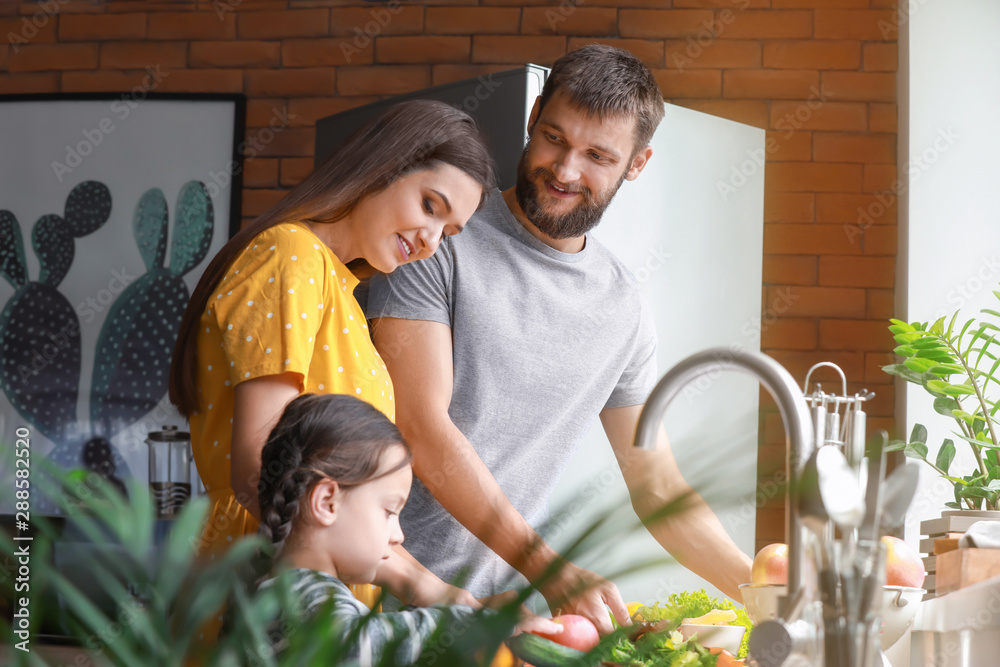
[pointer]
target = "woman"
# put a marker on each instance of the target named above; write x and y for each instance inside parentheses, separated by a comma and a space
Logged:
(274, 315)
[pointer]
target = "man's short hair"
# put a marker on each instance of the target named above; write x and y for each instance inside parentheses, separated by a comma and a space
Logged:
(608, 82)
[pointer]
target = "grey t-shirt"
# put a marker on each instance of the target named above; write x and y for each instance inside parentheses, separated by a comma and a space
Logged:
(542, 342)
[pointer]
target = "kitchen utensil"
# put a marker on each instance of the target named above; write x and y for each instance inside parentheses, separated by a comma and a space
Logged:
(169, 469)
(900, 487)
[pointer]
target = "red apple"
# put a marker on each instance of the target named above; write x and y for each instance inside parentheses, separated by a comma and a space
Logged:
(578, 632)
(903, 566)
(770, 565)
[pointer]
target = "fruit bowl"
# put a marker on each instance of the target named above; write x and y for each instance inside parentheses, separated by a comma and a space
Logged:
(728, 637)
(899, 608)
(761, 600)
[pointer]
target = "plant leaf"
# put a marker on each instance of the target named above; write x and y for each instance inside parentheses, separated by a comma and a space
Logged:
(902, 371)
(918, 434)
(945, 406)
(920, 365)
(945, 455)
(916, 450)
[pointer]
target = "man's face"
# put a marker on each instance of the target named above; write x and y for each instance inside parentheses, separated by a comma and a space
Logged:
(572, 167)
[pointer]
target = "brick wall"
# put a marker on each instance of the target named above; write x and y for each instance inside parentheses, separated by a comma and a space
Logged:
(819, 75)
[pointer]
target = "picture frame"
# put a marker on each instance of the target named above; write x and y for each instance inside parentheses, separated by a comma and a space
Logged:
(111, 206)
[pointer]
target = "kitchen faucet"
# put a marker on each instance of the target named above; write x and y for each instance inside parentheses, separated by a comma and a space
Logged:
(794, 413)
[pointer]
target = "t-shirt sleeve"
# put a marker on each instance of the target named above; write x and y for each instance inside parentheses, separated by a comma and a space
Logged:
(420, 290)
(639, 376)
(270, 316)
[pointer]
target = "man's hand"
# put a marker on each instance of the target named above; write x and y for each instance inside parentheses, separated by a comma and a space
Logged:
(574, 590)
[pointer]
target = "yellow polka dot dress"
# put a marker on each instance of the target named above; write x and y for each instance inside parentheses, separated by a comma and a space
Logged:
(286, 305)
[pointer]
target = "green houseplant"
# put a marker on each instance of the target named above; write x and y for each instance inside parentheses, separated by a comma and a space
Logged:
(958, 368)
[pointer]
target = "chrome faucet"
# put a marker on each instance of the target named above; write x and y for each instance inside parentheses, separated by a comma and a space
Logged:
(794, 413)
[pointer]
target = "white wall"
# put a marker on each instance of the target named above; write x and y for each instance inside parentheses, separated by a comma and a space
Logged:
(950, 243)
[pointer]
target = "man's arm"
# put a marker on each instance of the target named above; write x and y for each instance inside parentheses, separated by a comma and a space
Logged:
(695, 537)
(418, 355)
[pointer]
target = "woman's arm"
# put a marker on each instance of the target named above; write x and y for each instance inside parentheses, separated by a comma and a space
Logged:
(257, 405)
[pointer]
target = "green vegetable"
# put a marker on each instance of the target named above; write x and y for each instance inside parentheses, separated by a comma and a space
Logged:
(543, 652)
(691, 605)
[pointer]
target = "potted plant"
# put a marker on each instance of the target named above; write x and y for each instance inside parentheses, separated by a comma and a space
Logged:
(956, 367)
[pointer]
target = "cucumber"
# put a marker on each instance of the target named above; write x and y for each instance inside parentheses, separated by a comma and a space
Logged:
(542, 652)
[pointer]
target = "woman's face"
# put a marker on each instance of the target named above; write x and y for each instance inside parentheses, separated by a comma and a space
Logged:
(408, 219)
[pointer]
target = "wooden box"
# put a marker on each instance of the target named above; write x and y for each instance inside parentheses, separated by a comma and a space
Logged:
(964, 567)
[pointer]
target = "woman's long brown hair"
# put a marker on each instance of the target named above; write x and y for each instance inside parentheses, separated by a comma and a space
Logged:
(409, 136)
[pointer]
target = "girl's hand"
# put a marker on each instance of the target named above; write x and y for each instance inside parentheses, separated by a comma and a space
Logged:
(429, 590)
(532, 623)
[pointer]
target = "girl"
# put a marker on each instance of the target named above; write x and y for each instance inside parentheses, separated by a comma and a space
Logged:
(274, 315)
(335, 474)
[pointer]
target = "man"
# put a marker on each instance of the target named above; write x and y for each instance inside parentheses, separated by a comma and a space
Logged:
(504, 345)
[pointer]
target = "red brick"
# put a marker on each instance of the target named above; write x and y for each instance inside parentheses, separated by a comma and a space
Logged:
(137, 55)
(569, 20)
(844, 147)
(721, 4)
(781, 148)
(449, 2)
(789, 206)
(310, 82)
(751, 112)
(863, 24)
(3, 57)
(812, 54)
(472, 21)
(382, 80)
(663, 23)
(294, 170)
(810, 239)
(202, 81)
(324, 52)
(790, 270)
(517, 50)
(721, 53)
(813, 177)
(260, 173)
(191, 26)
(287, 142)
(256, 201)
(19, 32)
(880, 178)
(283, 24)
(441, 74)
(881, 57)
(881, 304)
(247, 54)
(843, 207)
(365, 23)
(860, 86)
(857, 271)
(42, 57)
(882, 117)
(769, 84)
(305, 111)
(261, 111)
(798, 362)
(874, 361)
(15, 84)
(819, 4)
(690, 83)
(647, 50)
(767, 24)
(880, 240)
(854, 335)
(422, 49)
(101, 27)
(818, 115)
(789, 334)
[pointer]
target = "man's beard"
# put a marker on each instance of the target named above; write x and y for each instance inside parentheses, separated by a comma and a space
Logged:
(584, 216)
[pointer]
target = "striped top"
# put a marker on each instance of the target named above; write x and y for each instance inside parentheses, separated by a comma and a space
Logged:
(405, 631)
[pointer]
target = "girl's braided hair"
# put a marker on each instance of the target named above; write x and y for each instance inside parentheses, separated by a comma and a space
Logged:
(320, 436)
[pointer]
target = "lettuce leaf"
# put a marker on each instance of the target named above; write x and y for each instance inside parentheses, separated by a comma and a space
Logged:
(693, 604)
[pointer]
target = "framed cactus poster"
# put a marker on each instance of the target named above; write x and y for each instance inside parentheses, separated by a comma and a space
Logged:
(111, 206)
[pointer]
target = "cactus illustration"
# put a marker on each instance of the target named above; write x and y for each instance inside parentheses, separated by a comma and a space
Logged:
(136, 342)
(39, 330)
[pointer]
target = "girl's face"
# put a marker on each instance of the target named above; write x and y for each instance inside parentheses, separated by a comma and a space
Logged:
(408, 219)
(366, 525)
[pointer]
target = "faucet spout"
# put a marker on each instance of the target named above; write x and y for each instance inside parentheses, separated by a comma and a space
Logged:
(794, 413)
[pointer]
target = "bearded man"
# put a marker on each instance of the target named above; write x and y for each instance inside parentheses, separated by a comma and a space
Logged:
(505, 344)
